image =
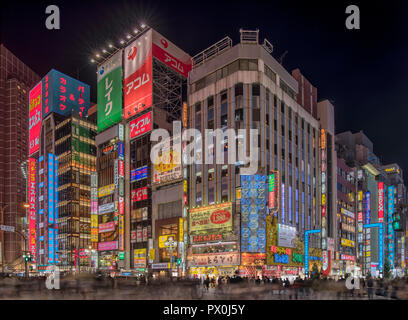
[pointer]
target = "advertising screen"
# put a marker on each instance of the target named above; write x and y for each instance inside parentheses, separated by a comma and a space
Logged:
(110, 92)
(34, 125)
(62, 94)
(171, 55)
(286, 236)
(141, 125)
(253, 213)
(32, 209)
(138, 89)
(213, 217)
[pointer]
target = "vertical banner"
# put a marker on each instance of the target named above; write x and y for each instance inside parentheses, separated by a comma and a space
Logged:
(34, 125)
(138, 66)
(391, 237)
(110, 92)
(56, 207)
(50, 188)
(380, 201)
(121, 233)
(32, 209)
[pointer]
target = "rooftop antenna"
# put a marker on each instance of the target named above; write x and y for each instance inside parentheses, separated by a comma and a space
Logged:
(283, 57)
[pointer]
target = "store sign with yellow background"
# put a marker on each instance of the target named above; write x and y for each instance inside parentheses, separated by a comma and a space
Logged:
(218, 216)
(167, 167)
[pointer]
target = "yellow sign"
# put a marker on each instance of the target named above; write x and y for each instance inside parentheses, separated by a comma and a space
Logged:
(106, 190)
(139, 258)
(185, 116)
(360, 196)
(322, 139)
(185, 186)
(181, 229)
(151, 254)
(218, 216)
(163, 239)
(347, 242)
(323, 199)
(238, 194)
(94, 220)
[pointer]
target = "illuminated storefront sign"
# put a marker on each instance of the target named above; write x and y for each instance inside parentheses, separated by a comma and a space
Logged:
(253, 259)
(34, 125)
(213, 217)
(163, 239)
(50, 188)
(214, 259)
(323, 199)
(380, 201)
(32, 208)
(347, 257)
(138, 174)
(106, 227)
(140, 125)
(253, 213)
(51, 245)
(138, 90)
(106, 208)
(273, 183)
(208, 238)
(139, 258)
(110, 245)
(106, 190)
(62, 94)
(139, 194)
(121, 233)
(181, 229)
(347, 243)
(110, 92)
(286, 236)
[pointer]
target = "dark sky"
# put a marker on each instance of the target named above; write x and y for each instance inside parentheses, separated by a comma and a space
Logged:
(365, 72)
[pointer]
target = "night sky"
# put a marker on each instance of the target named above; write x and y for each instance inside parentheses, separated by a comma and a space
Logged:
(364, 72)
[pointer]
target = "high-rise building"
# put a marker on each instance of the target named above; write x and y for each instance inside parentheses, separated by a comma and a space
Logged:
(16, 80)
(244, 87)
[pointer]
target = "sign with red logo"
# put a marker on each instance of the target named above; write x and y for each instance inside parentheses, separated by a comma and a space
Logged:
(121, 206)
(380, 201)
(139, 194)
(171, 55)
(360, 217)
(138, 89)
(141, 125)
(32, 209)
(34, 125)
(211, 217)
(106, 227)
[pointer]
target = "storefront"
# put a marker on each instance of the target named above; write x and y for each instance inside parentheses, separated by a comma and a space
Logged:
(251, 264)
(213, 264)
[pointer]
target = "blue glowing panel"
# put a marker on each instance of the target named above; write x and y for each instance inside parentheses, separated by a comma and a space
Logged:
(51, 187)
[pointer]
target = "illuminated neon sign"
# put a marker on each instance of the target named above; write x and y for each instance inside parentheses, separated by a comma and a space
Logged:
(32, 208)
(380, 201)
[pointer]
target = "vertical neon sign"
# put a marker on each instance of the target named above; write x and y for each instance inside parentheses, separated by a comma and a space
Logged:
(56, 207)
(32, 210)
(390, 229)
(50, 188)
(380, 201)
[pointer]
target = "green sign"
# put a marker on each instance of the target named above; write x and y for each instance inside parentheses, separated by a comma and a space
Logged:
(121, 255)
(110, 92)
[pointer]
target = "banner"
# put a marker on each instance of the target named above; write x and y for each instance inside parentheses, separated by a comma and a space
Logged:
(217, 216)
(139, 258)
(106, 190)
(111, 245)
(106, 208)
(34, 125)
(214, 259)
(110, 92)
(286, 236)
(138, 89)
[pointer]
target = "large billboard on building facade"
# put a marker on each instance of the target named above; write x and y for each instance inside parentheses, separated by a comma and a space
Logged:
(286, 236)
(171, 55)
(110, 92)
(140, 125)
(167, 168)
(62, 94)
(34, 124)
(138, 90)
(215, 217)
(253, 213)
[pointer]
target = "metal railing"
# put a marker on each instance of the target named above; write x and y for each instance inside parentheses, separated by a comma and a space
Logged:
(212, 51)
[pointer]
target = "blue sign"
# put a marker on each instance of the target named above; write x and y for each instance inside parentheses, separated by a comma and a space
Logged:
(138, 174)
(51, 245)
(281, 258)
(390, 228)
(307, 248)
(63, 95)
(121, 151)
(51, 186)
(381, 242)
(253, 213)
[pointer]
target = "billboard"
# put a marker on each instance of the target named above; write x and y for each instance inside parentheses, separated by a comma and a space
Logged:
(138, 90)
(273, 183)
(110, 92)
(140, 125)
(106, 190)
(171, 55)
(286, 236)
(139, 258)
(218, 216)
(110, 245)
(62, 94)
(253, 213)
(32, 209)
(214, 259)
(138, 174)
(34, 124)
(107, 227)
(167, 167)
(380, 201)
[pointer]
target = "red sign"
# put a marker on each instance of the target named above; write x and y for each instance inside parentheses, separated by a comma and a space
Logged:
(121, 206)
(138, 75)
(380, 201)
(171, 55)
(220, 216)
(121, 168)
(140, 125)
(347, 257)
(106, 227)
(34, 125)
(32, 210)
(360, 217)
(205, 238)
(139, 194)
